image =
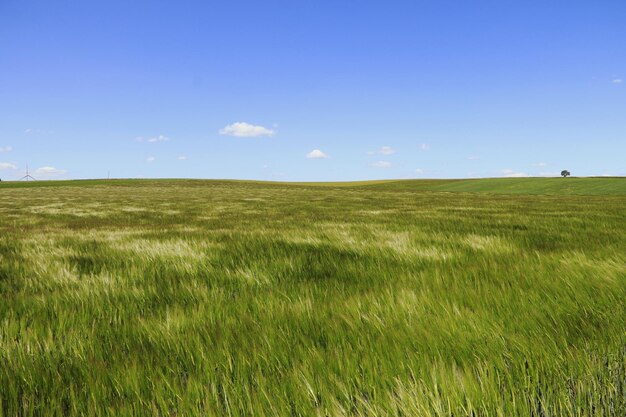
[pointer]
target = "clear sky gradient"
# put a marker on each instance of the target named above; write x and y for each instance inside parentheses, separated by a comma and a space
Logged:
(317, 90)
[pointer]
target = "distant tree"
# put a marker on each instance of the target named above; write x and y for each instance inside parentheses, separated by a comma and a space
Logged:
(565, 173)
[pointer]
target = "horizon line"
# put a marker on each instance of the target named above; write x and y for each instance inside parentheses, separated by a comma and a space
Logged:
(304, 182)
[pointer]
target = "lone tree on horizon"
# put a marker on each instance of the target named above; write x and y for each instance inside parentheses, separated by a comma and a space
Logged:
(565, 173)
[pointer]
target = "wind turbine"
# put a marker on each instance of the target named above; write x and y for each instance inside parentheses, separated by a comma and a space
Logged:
(27, 177)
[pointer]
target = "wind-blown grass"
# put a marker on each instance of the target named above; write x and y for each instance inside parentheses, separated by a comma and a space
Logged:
(242, 298)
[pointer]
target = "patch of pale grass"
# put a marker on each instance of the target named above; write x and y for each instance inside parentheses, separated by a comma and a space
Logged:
(609, 269)
(405, 244)
(371, 212)
(57, 209)
(163, 249)
(409, 244)
(132, 209)
(493, 244)
(251, 276)
(99, 235)
(301, 238)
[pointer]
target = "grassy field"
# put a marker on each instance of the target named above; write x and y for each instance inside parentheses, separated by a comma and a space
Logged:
(527, 186)
(234, 298)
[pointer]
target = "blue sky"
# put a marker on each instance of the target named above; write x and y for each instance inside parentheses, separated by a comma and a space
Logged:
(324, 90)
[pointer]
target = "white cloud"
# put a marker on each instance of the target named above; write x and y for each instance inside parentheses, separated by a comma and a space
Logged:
(512, 174)
(182, 158)
(382, 164)
(154, 139)
(150, 159)
(316, 154)
(160, 138)
(618, 81)
(246, 130)
(419, 171)
(7, 165)
(386, 150)
(473, 158)
(424, 146)
(6, 149)
(541, 164)
(49, 171)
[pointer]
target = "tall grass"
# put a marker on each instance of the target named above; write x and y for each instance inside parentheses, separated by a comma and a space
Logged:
(238, 299)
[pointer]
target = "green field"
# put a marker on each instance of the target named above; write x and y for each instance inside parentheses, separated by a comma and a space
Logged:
(495, 297)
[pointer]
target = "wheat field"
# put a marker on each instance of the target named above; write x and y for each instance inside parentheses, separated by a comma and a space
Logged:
(234, 298)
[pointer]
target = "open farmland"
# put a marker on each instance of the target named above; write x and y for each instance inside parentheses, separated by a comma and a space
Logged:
(503, 297)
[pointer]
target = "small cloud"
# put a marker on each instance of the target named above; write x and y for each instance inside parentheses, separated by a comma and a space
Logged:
(473, 158)
(7, 165)
(385, 150)
(150, 159)
(549, 174)
(160, 138)
(31, 130)
(5, 149)
(182, 158)
(541, 164)
(246, 130)
(382, 164)
(154, 139)
(419, 171)
(316, 154)
(424, 146)
(618, 81)
(49, 171)
(512, 174)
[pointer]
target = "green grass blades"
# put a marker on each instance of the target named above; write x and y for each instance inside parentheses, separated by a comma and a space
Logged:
(226, 298)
